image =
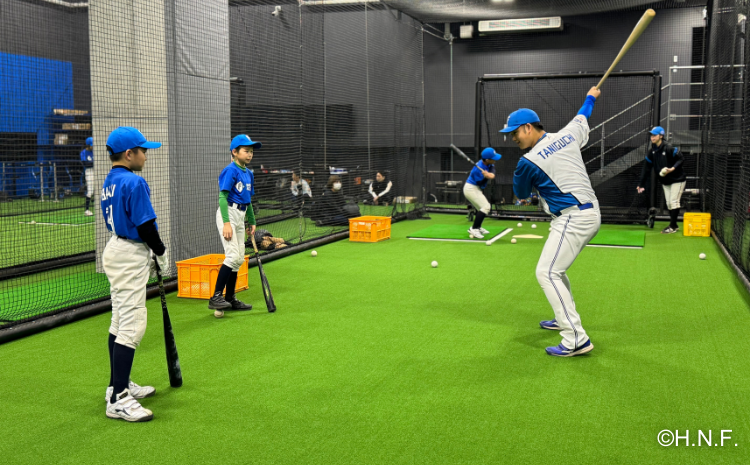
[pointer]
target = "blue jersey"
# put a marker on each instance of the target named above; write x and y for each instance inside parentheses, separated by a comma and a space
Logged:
(240, 183)
(126, 202)
(87, 158)
(476, 176)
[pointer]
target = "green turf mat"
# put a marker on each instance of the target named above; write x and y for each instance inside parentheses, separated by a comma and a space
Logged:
(374, 357)
(619, 238)
(452, 231)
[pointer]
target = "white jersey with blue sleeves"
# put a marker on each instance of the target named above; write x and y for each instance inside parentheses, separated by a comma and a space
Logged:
(554, 167)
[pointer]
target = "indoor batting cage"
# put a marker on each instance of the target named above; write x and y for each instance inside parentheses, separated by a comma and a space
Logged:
(365, 96)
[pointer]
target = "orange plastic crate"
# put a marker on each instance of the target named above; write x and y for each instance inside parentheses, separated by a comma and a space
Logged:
(696, 224)
(196, 277)
(369, 228)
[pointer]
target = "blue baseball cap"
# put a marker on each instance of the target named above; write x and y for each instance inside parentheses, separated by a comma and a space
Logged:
(126, 138)
(90, 141)
(657, 131)
(490, 154)
(520, 117)
(244, 140)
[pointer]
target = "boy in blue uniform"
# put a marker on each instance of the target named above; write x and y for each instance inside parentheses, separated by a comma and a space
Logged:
(475, 184)
(127, 260)
(236, 188)
(87, 160)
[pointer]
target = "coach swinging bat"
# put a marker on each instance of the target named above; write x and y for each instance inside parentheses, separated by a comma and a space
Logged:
(637, 31)
(173, 360)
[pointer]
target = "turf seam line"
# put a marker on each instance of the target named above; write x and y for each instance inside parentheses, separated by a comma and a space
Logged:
(615, 246)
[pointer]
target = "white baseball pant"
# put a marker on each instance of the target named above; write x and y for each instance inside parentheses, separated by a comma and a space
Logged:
(127, 265)
(569, 235)
(672, 194)
(475, 195)
(234, 249)
(88, 173)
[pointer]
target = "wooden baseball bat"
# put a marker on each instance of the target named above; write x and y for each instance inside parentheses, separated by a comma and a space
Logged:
(637, 31)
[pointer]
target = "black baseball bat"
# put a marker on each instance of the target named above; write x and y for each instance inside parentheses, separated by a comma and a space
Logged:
(458, 151)
(270, 305)
(173, 360)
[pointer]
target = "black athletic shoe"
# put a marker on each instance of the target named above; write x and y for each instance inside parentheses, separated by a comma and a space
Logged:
(217, 302)
(237, 304)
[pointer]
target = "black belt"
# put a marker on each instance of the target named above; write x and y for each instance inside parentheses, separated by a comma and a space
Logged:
(129, 239)
(239, 206)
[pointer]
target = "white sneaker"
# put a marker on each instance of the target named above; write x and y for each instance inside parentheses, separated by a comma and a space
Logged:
(88, 213)
(483, 231)
(475, 234)
(139, 392)
(127, 408)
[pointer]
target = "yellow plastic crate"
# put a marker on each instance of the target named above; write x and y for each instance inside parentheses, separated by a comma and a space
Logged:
(696, 224)
(369, 228)
(196, 277)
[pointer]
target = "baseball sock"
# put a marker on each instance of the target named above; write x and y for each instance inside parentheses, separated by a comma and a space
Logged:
(122, 363)
(88, 202)
(231, 283)
(673, 218)
(222, 279)
(478, 220)
(111, 344)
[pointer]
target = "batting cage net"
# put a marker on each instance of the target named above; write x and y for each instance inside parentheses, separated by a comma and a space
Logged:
(617, 143)
(726, 132)
(333, 92)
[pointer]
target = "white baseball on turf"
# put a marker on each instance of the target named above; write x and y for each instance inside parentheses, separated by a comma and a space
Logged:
(519, 225)
(512, 241)
(33, 222)
(219, 313)
(434, 264)
(488, 243)
(314, 253)
(702, 256)
(533, 226)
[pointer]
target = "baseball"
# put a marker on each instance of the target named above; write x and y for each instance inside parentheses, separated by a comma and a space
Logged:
(219, 313)
(434, 264)
(663, 172)
(488, 242)
(519, 225)
(33, 222)
(512, 241)
(314, 253)
(702, 256)
(533, 226)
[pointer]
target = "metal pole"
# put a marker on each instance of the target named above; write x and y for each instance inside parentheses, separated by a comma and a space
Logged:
(478, 116)
(601, 156)
(424, 135)
(41, 182)
(451, 82)
(669, 101)
(54, 173)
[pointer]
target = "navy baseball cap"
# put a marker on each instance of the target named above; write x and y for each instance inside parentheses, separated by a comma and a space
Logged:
(657, 131)
(90, 141)
(126, 138)
(520, 117)
(244, 140)
(490, 154)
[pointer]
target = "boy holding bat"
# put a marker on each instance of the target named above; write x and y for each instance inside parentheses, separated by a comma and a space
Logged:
(480, 175)
(236, 188)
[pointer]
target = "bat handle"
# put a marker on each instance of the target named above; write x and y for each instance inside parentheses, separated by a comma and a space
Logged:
(255, 247)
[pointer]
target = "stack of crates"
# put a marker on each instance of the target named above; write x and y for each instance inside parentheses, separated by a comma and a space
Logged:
(369, 228)
(196, 277)
(696, 224)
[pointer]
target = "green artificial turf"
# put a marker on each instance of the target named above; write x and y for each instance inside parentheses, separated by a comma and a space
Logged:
(619, 238)
(453, 231)
(376, 357)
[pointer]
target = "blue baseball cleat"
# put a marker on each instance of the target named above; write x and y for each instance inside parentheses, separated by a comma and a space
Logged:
(550, 324)
(562, 351)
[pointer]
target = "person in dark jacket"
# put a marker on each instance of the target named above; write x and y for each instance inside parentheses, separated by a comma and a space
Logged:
(381, 190)
(666, 160)
(330, 207)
